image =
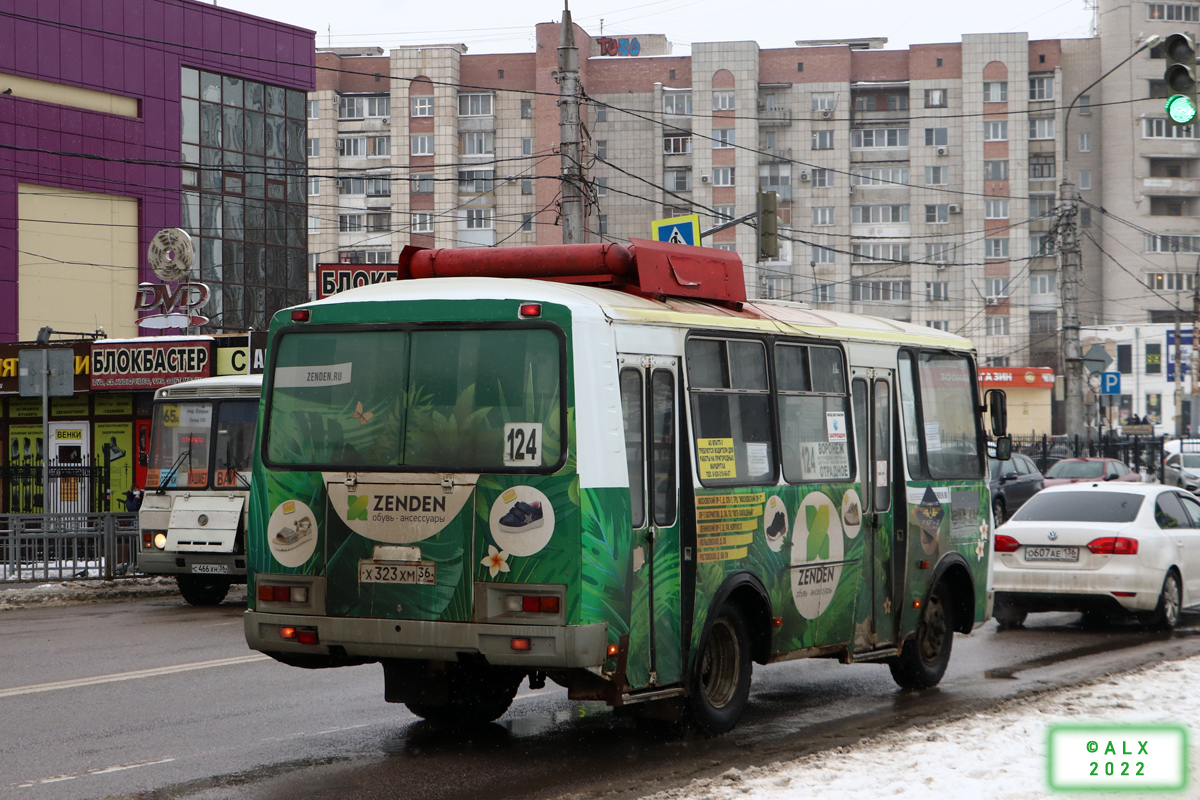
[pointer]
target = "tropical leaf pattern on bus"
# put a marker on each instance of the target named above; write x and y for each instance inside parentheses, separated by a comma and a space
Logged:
(607, 575)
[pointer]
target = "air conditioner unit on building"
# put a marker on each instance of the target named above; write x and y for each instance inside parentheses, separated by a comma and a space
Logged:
(705, 179)
(804, 176)
(387, 120)
(955, 208)
(943, 151)
(826, 113)
(941, 265)
(338, 183)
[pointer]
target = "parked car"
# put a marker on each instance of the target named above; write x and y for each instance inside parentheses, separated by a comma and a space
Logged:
(1013, 482)
(1100, 548)
(1183, 470)
(1074, 470)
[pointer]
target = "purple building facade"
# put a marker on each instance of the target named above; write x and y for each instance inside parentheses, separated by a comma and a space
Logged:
(251, 182)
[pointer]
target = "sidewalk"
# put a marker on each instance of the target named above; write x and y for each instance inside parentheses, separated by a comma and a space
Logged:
(62, 593)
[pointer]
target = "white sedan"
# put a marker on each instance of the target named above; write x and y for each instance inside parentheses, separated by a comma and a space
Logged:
(1100, 548)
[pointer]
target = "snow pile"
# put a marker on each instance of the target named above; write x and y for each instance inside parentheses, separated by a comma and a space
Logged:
(998, 755)
(91, 591)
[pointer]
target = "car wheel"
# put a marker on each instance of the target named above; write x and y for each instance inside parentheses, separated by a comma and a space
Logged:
(998, 510)
(923, 659)
(721, 684)
(1008, 617)
(1166, 616)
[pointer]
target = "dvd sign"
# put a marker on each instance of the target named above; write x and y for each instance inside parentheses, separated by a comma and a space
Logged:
(334, 278)
(177, 308)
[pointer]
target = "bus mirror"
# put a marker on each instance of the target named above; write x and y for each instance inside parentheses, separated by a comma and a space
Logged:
(1003, 448)
(997, 404)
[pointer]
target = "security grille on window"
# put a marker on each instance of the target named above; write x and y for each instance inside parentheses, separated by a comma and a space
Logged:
(475, 105)
(677, 145)
(722, 101)
(422, 106)
(879, 176)
(350, 223)
(879, 251)
(350, 108)
(937, 136)
(822, 178)
(422, 183)
(679, 103)
(379, 221)
(879, 291)
(379, 187)
(823, 101)
(475, 181)
(1041, 87)
(723, 176)
(937, 214)
(478, 218)
(865, 138)
(527, 110)
(935, 98)
(996, 326)
(476, 143)
(995, 91)
(314, 147)
(937, 290)
(1172, 12)
(822, 215)
(379, 106)
(823, 255)
(937, 176)
(995, 209)
(995, 248)
(822, 140)
(422, 222)
(352, 186)
(678, 180)
(877, 215)
(723, 137)
(422, 145)
(1041, 128)
(995, 131)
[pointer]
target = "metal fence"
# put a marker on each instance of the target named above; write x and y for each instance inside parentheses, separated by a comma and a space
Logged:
(74, 487)
(1142, 454)
(42, 547)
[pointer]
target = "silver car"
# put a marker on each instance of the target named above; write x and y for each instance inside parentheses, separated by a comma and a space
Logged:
(1183, 470)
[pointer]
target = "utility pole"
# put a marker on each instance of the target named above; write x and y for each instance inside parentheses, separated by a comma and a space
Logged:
(570, 133)
(1195, 349)
(1071, 346)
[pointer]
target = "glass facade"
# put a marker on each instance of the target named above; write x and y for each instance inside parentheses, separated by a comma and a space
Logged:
(244, 150)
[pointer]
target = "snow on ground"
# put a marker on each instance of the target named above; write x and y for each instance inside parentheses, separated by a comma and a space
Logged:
(61, 593)
(997, 755)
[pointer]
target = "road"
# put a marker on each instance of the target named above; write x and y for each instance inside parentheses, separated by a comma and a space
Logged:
(155, 699)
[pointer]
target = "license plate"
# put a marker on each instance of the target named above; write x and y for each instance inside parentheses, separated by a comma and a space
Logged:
(1051, 553)
(423, 573)
(211, 569)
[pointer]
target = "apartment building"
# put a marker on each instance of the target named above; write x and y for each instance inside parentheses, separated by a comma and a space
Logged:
(918, 184)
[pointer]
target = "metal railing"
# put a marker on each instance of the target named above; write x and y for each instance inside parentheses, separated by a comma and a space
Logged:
(43, 547)
(1140, 453)
(74, 487)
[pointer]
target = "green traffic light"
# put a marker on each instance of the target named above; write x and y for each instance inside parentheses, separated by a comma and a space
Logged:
(1180, 109)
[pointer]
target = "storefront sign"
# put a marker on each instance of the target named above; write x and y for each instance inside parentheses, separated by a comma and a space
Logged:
(178, 308)
(334, 278)
(114, 405)
(133, 364)
(1016, 378)
(74, 407)
(10, 366)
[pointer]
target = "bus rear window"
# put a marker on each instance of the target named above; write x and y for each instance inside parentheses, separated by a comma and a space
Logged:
(441, 400)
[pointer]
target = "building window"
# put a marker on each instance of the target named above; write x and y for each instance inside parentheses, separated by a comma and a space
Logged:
(938, 252)
(1084, 105)
(1171, 281)
(822, 178)
(723, 214)
(996, 326)
(478, 218)
(422, 145)
(729, 247)
(879, 291)
(1172, 244)
(865, 138)
(1172, 12)
(937, 290)
(601, 113)
(1041, 87)
(823, 255)
(527, 147)
(1041, 128)
(527, 109)
(879, 251)
(379, 146)
(601, 187)
(527, 186)
(897, 102)
(314, 224)
(822, 140)
(475, 104)
(379, 106)
(476, 143)
(677, 145)
(1040, 244)
(422, 222)
(352, 146)
(937, 136)
(877, 176)
(773, 177)
(1085, 143)
(995, 209)
(864, 102)
(1085, 179)
(1041, 206)
(723, 176)
(314, 187)
(475, 181)
(822, 215)
(1163, 128)
(722, 101)
(677, 103)
(1041, 167)
(995, 131)
(937, 214)
(379, 187)
(602, 149)
(1153, 358)
(823, 101)
(350, 108)
(937, 176)
(824, 292)
(938, 324)
(935, 98)
(421, 106)
(602, 224)
(995, 91)
(352, 186)
(314, 109)
(995, 248)
(1042, 285)
(527, 223)
(878, 215)
(377, 256)
(314, 147)
(379, 221)
(350, 223)
(723, 137)
(678, 180)
(422, 183)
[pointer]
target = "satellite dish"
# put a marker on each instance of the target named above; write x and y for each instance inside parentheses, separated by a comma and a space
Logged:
(171, 254)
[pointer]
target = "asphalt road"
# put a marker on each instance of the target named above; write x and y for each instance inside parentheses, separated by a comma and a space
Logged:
(154, 699)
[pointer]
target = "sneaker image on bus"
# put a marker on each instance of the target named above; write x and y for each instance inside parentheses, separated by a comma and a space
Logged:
(522, 517)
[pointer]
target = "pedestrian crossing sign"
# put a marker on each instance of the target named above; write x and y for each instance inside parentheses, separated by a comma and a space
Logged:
(677, 230)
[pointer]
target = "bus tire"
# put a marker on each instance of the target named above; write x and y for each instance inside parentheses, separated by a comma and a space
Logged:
(473, 699)
(721, 683)
(203, 590)
(923, 659)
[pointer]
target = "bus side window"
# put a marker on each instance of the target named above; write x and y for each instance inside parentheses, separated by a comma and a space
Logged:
(862, 438)
(632, 414)
(662, 456)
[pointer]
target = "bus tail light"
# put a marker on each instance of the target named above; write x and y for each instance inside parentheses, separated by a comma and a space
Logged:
(301, 314)
(299, 635)
(530, 310)
(1113, 546)
(283, 594)
(1006, 544)
(532, 604)
(522, 643)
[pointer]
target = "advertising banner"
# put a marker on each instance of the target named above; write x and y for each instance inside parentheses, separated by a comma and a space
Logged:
(134, 364)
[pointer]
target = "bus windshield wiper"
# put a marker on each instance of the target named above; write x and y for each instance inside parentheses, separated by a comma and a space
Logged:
(170, 476)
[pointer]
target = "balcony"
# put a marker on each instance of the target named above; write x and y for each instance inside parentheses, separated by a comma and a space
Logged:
(484, 123)
(774, 117)
(1170, 187)
(775, 156)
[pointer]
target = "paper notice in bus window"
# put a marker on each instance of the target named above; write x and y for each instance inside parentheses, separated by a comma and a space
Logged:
(716, 459)
(320, 375)
(757, 460)
(835, 423)
(933, 437)
(197, 478)
(170, 416)
(195, 416)
(152, 478)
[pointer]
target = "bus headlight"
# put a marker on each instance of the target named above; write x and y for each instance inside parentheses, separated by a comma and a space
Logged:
(160, 540)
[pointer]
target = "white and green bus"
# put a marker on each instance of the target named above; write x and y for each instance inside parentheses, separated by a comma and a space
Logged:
(615, 473)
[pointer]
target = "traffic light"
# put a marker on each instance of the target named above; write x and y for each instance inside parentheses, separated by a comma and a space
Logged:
(768, 225)
(1180, 77)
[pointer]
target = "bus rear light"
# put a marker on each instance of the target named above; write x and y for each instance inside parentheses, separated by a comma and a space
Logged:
(522, 644)
(301, 314)
(1113, 546)
(287, 632)
(613, 650)
(1006, 544)
(532, 604)
(283, 594)
(529, 310)
(307, 636)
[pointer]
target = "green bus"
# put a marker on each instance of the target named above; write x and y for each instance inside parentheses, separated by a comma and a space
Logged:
(604, 466)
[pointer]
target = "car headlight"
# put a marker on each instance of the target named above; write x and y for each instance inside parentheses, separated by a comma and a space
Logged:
(160, 541)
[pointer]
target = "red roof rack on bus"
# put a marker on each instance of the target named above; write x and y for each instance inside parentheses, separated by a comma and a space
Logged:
(646, 268)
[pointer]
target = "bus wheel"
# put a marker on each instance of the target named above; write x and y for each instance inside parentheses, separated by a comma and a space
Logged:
(474, 698)
(923, 659)
(721, 684)
(203, 590)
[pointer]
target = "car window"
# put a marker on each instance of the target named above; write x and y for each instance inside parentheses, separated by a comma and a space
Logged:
(1022, 465)
(1120, 468)
(1173, 461)
(1085, 506)
(1076, 469)
(1192, 507)
(1007, 469)
(1110, 469)
(1169, 513)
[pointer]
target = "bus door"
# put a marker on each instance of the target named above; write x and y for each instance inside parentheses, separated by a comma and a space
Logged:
(649, 392)
(873, 434)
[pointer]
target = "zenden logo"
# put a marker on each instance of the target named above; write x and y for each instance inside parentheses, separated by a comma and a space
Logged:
(356, 507)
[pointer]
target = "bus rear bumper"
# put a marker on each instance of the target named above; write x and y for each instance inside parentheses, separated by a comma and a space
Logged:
(549, 647)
